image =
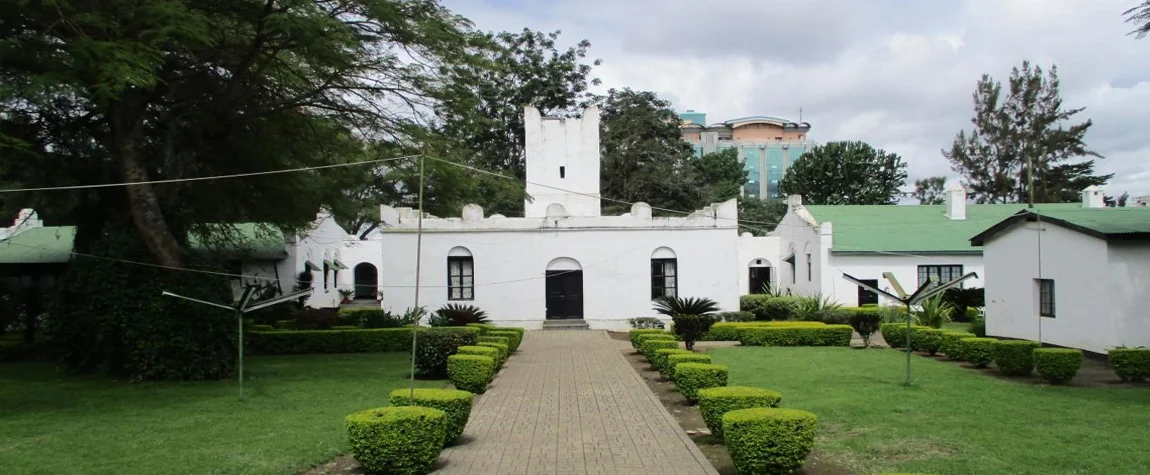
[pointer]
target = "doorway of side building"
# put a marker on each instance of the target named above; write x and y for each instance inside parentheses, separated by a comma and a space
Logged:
(564, 289)
(865, 296)
(759, 277)
(366, 281)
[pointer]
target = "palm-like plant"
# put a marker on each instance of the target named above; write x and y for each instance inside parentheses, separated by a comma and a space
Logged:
(458, 315)
(815, 308)
(934, 312)
(673, 306)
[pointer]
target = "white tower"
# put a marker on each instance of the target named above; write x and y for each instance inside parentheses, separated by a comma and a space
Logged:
(562, 164)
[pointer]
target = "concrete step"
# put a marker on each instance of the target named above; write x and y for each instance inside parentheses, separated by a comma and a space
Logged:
(565, 325)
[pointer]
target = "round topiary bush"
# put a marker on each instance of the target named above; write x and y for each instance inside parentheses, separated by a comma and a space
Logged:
(398, 440)
(951, 344)
(455, 404)
(691, 377)
(513, 338)
(926, 339)
(1130, 364)
(470, 373)
(769, 440)
(675, 359)
(650, 346)
(977, 351)
(1014, 357)
(714, 402)
(1057, 365)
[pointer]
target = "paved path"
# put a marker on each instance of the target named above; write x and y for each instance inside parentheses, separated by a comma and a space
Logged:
(569, 403)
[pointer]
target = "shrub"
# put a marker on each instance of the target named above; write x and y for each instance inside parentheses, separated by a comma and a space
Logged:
(714, 402)
(633, 335)
(434, 345)
(977, 326)
(1130, 364)
(769, 440)
(484, 327)
(488, 351)
(643, 339)
(649, 347)
(779, 308)
(866, 322)
(285, 324)
(729, 331)
(977, 351)
(316, 318)
(951, 344)
(963, 299)
(755, 305)
(661, 355)
(645, 323)
(690, 327)
(398, 440)
(1057, 365)
(457, 315)
(489, 337)
(815, 335)
(470, 373)
(816, 308)
(514, 338)
(261, 328)
(735, 317)
(691, 377)
(926, 340)
(455, 404)
(895, 334)
(504, 352)
(675, 359)
(368, 318)
(345, 327)
(934, 311)
(330, 341)
(1014, 357)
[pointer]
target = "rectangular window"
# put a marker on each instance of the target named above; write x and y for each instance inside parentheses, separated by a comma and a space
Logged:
(945, 273)
(460, 278)
(562, 171)
(664, 278)
(809, 276)
(326, 268)
(1045, 297)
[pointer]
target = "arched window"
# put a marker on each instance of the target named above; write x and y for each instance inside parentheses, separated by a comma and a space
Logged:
(460, 274)
(664, 273)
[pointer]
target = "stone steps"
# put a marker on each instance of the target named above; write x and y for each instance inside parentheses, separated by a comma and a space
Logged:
(565, 325)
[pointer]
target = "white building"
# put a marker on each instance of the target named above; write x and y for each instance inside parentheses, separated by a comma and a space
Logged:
(1077, 278)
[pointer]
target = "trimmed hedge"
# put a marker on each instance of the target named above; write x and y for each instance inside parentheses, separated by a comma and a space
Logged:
(330, 341)
(894, 334)
(739, 316)
(483, 328)
(487, 351)
(344, 327)
(951, 344)
(714, 402)
(674, 360)
(1014, 357)
(434, 345)
(1130, 364)
(398, 440)
(513, 338)
(661, 355)
(977, 351)
(455, 404)
(261, 328)
(926, 339)
(691, 377)
(285, 324)
(470, 373)
(729, 331)
(651, 337)
(769, 440)
(504, 352)
(633, 335)
(1057, 365)
(818, 335)
(649, 347)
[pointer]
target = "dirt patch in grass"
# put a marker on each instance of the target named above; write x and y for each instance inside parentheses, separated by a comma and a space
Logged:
(342, 465)
(692, 422)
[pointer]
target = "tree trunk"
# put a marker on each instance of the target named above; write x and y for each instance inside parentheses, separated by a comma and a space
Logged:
(145, 208)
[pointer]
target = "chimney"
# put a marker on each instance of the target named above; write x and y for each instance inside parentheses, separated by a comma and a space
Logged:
(795, 200)
(956, 202)
(1092, 197)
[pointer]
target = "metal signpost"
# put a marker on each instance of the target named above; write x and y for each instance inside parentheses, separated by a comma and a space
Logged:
(926, 291)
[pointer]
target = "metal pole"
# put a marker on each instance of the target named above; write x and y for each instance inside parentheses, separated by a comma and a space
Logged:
(240, 317)
(418, 268)
(1039, 278)
(908, 342)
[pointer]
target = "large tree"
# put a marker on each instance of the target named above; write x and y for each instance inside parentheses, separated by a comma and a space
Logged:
(930, 190)
(1017, 130)
(721, 175)
(846, 173)
(760, 216)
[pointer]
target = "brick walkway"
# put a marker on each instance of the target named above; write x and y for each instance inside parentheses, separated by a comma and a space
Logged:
(568, 403)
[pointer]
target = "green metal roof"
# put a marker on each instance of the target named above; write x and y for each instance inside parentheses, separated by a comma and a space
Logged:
(1104, 223)
(53, 244)
(914, 228)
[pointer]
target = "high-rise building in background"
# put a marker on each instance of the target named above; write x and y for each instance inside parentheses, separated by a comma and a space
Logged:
(767, 146)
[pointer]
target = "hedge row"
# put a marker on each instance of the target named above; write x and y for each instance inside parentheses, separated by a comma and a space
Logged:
(815, 335)
(330, 341)
(729, 331)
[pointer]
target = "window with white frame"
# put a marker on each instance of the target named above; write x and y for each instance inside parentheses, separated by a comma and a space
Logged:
(664, 277)
(945, 273)
(460, 278)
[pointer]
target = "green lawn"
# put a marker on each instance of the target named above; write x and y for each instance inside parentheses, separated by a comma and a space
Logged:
(292, 417)
(956, 326)
(954, 421)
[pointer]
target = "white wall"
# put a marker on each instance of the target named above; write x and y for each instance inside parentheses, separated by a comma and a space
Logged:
(905, 269)
(1078, 263)
(325, 241)
(798, 232)
(510, 266)
(571, 143)
(752, 248)
(1129, 271)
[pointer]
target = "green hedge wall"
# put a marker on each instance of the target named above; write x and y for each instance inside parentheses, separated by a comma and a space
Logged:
(330, 341)
(818, 335)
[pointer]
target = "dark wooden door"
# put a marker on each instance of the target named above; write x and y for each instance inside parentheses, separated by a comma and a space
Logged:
(760, 277)
(866, 296)
(564, 294)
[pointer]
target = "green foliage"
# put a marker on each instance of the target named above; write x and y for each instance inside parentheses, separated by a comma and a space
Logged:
(963, 299)
(779, 308)
(759, 216)
(690, 328)
(316, 318)
(927, 340)
(261, 328)
(485, 327)
(1130, 364)
(930, 190)
(645, 337)
(661, 362)
(633, 335)
(345, 327)
(434, 345)
(330, 341)
(846, 173)
(934, 311)
(675, 359)
(815, 308)
(491, 337)
(457, 315)
(951, 344)
(455, 404)
(734, 317)
(721, 175)
(673, 306)
(285, 324)
(504, 352)
(649, 346)
(513, 338)
(754, 304)
(488, 351)
(397, 440)
(1014, 357)
(866, 322)
(895, 334)
(722, 331)
(645, 323)
(769, 440)
(813, 335)
(110, 317)
(978, 351)
(692, 377)
(977, 326)
(1057, 365)
(470, 373)
(715, 402)
(369, 318)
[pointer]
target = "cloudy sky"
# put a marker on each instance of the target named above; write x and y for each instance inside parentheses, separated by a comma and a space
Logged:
(898, 74)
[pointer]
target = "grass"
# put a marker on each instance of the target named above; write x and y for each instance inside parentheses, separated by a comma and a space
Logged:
(954, 420)
(292, 417)
(956, 326)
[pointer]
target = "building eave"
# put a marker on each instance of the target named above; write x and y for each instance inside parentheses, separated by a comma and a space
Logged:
(973, 252)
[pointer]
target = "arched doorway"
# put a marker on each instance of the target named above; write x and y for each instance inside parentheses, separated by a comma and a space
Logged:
(759, 277)
(564, 289)
(366, 281)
